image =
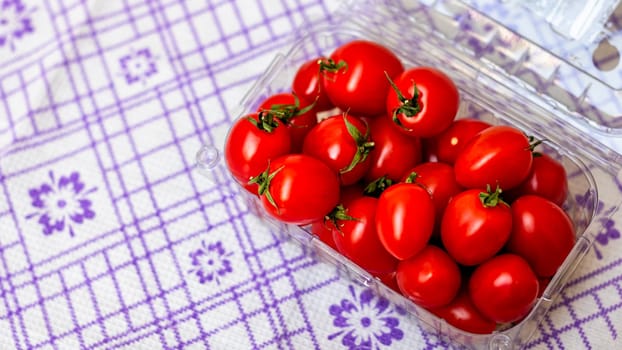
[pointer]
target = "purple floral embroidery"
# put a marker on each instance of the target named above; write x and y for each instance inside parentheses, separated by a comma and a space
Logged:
(60, 204)
(210, 262)
(138, 66)
(608, 232)
(365, 321)
(15, 22)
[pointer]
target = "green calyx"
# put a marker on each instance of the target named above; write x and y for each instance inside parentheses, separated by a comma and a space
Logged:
(338, 214)
(286, 112)
(364, 146)
(329, 65)
(376, 187)
(491, 199)
(411, 177)
(265, 121)
(409, 107)
(263, 181)
(533, 143)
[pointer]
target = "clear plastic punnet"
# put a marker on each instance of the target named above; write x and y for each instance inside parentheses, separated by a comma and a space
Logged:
(504, 76)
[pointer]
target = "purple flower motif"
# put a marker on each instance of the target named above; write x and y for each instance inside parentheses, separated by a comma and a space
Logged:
(138, 66)
(15, 22)
(59, 204)
(366, 321)
(210, 262)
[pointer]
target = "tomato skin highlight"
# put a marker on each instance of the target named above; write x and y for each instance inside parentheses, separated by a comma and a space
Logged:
(438, 99)
(430, 278)
(542, 233)
(446, 146)
(504, 288)
(249, 148)
(497, 156)
(405, 219)
(394, 153)
(362, 86)
(462, 314)
(304, 189)
(357, 239)
(473, 233)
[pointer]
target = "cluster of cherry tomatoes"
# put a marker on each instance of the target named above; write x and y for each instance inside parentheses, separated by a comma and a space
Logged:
(462, 217)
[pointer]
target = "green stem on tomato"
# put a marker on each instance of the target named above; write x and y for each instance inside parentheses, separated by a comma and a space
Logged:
(364, 146)
(263, 181)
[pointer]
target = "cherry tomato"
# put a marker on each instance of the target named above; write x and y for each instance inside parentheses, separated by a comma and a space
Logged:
(323, 229)
(547, 179)
(393, 154)
(475, 226)
(252, 141)
(462, 314)
(298, 189)
(430, 278)
(445, 146)
(405, 219)
(499, 155)
(354, 77)
(504, 288)
(389, 280)
(343, 142)
(297, 113)
(307, 84)
(423, 102)
(356, 238)
(440, 181)
(542, 233)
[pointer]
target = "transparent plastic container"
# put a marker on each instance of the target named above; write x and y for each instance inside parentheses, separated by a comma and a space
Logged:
(504, 78)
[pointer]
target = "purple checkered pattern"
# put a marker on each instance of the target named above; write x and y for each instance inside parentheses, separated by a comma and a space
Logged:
(110, 239)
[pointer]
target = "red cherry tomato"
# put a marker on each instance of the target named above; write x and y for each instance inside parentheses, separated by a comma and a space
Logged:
(423, 102)
(476, 225)
(389, 280)
(356, 238)
(324, 231)
(499, 155)
(430, 278)
(343, 142)
(542, 233)
(504, 288)
(547, 179)
(252, 141)
(307, 84)
(355, 80)
(394, 153)
(462, 314)
(297, 113)
(405, 219)
(440, 181)
(298, 189)
(445, 146)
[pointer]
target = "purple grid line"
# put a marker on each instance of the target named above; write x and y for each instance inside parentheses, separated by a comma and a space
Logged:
(193, 92)
(31, 270)
(139, 271)
(117, 288)
(115, 231)
(28, 104)
(127, 10)
(98, 313)
(219, 297)
(72, 311)
(305, 263)
(48, 91)
(6, 300)
(113, 113)
(5, 103)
